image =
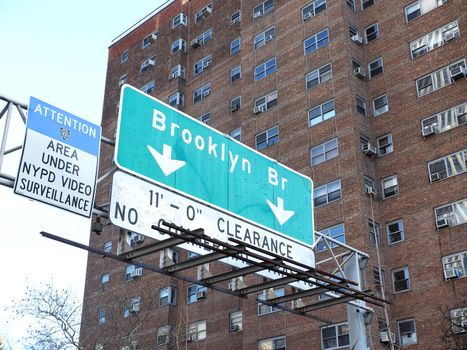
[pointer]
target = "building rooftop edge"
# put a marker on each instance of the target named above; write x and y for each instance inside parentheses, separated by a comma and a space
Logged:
(141, 22)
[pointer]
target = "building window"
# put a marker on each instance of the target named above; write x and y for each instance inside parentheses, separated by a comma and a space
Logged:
(267, 138)
(390, 187)
(313, 9)
(437, 80)
(262, 104)
(361, 105)
(202, 39)
(179, 45)
(124, 56)
(132, 272)
(263, 8)
(367, 3)
(459, 320)
(369, 183)
(150, 62)
(452, 214)
(351, 4)
(262, 38)
(167, 296)
(434, 39)
(321, 113)
(324, 152)
(203, 13)
(202, 65)
(420, 7)
(327, 193)
(168, 257)
(316, 41)
(236, 134)
(149, 87)
(134, 305)
(407, 332)
(336, 232)
(373, 231)
(265, 69)
(235, 104)
(235, 46)
(395, 231)
(235, 73)
(201, 93)
(164, 335)
(446, 120)
(180, 19)
(177, 99)
(147, 41)
(318, 76)
(455, 266)
(448, 166)
(196, 292)
(380, 105)
(108, 247)
(378, 281)
(235, 321)
(196, 331)
(99, 346)
(235, 17)
(177, 71)
(352, 31)
(371, 33)
(271, 293)
(105, 278)
(205, 118)
(101, 316)
(375, 67)
(401, 279)
(385, 145)
(335, 336)
(272, 344)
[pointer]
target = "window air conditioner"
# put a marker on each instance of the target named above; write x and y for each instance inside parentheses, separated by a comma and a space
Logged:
(370, 190)
(259, 109)
(256, 15)
(206, 93)
(428, 130)
(235, 20)
(207, 11)
(173, 75)
(137, 239)
(134, 307)
(191, 337)
(359, 72)
(369, 150)
(201, 295)
(307, 15)
(234, 328)
(269, 37)
(163, 339)
(435, 177)
(453, 274)
(121, 82)
(194, 43)
(136, 273)
(296, 304)
(151, 62)
(154, 36)
(458, 73)
(449, 36)
(386, 337)
(357, 39)
(442, 223)
(206, 64)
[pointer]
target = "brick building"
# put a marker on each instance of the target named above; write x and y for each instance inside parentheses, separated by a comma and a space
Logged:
(369, 99)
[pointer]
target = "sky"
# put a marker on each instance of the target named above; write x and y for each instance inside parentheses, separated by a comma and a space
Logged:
(54, 50)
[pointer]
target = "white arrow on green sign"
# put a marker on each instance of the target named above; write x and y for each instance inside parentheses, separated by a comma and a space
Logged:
(166, 146)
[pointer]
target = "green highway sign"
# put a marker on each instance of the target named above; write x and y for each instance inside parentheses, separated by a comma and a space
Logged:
(168, 147)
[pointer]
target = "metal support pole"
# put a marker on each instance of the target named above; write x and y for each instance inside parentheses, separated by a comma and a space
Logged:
(5, 133)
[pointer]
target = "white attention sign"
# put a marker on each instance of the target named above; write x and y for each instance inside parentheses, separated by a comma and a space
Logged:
(60, 159)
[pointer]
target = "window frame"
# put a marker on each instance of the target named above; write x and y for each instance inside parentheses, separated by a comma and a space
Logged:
(453, 212)
(452, 114)
(171, 296)
(401, 232)
(233, 105)
(148, 87)
(267, 101)
(448, 165)
(183, 20)
(205, 118)
(438, 83)
(361, 105)
(180, 47)
(272, 343)
(261, 40)
(236, 319)
(257, 12)
(328, 154)
(234, 47)
(309, 14)
(266, 68)
(322, 117)
(236, 76)
(234, 132)
(388, 147)
(328, 231)
(202, 65)
(403, 344)
(269, 139)
(406, 280)
(375, 34)
(379, 69)
(426, 41)
(336, 336)
(264, 309)
(395, 187)
(327, 192)
(323, 74)
(312, 44)
(201, 93)
(191, 292)
(179, 98)
(197, 330)
(236, 19)
(178, 71)
(385, 106)
(125, 56)
(200, 14)
(371, 2)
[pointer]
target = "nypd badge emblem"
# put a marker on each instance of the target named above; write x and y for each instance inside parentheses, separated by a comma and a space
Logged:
(64, 133)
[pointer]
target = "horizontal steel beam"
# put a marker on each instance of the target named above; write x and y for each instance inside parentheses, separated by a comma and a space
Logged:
(266, 285)
(326, 303)
(235, 273)
(152, 248)
(302, 294)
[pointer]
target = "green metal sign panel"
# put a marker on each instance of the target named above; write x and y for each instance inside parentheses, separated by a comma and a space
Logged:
(166, 146)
